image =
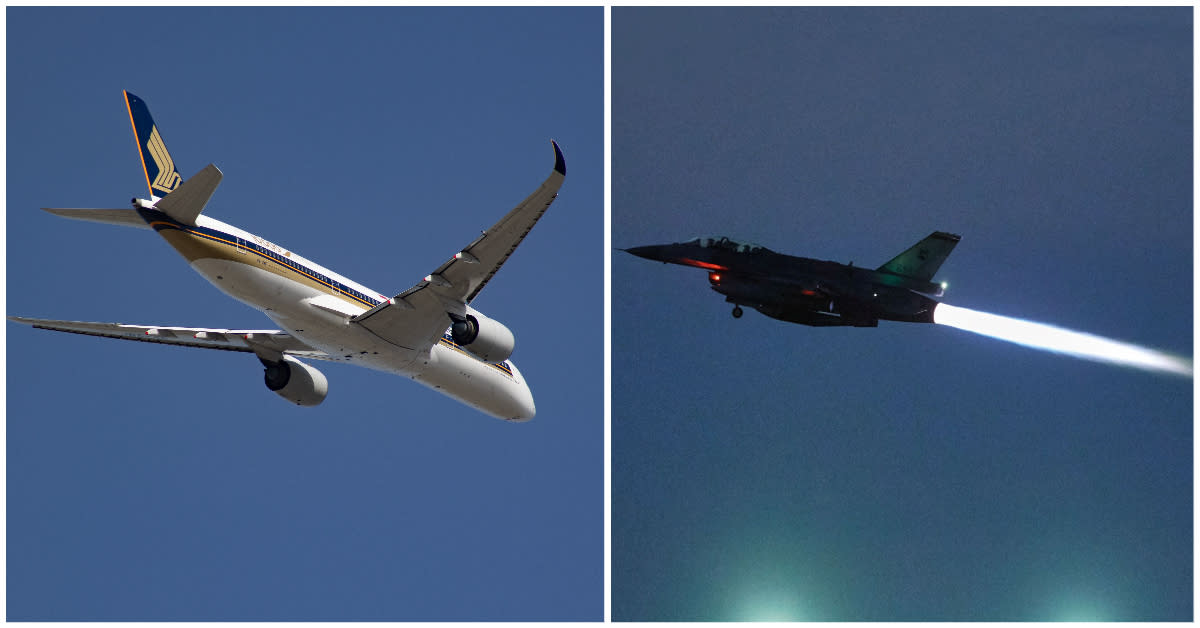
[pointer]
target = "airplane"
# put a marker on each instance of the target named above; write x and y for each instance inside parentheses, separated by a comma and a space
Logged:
(815, 292)
(429, 333)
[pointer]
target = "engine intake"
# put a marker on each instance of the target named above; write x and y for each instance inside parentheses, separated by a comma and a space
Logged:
(485, 338)
(295, 381)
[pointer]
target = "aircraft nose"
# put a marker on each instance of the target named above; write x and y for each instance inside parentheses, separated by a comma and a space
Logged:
(525, 413)
(522, 408)
(653, 252)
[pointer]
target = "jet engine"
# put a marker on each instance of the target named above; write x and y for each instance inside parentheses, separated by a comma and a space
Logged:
(296, 381)
(487, 339)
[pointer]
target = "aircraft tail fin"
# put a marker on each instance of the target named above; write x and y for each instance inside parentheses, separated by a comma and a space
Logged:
(162, 176)
(924, 258)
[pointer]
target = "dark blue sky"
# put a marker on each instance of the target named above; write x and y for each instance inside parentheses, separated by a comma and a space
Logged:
(159, 483)
(762, 470)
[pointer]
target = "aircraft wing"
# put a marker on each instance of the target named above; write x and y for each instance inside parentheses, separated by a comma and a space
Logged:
(260, 341)
(417, 317)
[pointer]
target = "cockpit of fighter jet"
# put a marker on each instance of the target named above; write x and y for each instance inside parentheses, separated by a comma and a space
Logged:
(725, 243)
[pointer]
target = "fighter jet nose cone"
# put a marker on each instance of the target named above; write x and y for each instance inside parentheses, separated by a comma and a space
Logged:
(653, 252)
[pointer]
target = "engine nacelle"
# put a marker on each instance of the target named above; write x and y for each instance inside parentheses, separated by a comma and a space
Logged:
(487, 339)
(296, 381)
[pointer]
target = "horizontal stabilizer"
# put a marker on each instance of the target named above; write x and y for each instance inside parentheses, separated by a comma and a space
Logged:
(188, 200)
(125, 217)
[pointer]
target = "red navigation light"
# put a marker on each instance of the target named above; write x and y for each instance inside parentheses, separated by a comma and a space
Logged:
(714, 277)
(700, 264)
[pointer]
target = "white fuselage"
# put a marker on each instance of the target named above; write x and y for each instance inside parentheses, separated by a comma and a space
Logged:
(315, 305)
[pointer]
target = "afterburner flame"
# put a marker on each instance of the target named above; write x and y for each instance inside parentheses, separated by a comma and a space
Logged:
(1059, 340)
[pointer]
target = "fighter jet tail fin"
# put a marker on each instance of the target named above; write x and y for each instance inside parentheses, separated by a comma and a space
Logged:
(924, 258)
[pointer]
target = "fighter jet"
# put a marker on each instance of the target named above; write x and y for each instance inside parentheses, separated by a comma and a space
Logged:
(815, 292)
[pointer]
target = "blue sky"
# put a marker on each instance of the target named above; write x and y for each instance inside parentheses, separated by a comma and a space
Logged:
(161, 483)
(762, 470)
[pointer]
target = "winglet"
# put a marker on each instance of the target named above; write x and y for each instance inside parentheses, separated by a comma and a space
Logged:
(560, 164)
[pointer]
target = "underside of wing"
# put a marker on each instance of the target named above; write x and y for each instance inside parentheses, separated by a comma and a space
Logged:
(244, 340)
(469, 271)
(419, 315)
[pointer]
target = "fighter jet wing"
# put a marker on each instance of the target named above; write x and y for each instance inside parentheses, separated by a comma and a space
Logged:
(244, 340)
(417, 317)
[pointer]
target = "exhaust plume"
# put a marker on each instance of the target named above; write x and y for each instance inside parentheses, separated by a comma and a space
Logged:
(1059, 340)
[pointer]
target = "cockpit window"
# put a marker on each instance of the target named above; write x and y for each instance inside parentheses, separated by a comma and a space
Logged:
(722, 242)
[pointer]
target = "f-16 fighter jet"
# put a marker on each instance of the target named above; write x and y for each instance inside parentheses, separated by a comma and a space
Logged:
(815, 292)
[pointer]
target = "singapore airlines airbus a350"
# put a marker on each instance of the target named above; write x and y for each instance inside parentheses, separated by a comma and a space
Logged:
(429, 333)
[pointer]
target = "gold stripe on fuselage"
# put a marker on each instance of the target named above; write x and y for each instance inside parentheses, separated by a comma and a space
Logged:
(194, 246)
(452, 345)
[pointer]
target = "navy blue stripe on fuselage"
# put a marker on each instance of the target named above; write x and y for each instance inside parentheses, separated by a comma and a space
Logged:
(503, 367)
(160, 221)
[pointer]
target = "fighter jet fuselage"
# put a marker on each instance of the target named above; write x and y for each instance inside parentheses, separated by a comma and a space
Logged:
(815, 292)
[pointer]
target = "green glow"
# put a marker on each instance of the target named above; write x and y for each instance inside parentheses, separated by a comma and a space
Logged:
(1080, 609)
(756, 603)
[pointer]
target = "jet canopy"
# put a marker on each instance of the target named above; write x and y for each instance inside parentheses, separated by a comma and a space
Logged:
(721, 242)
